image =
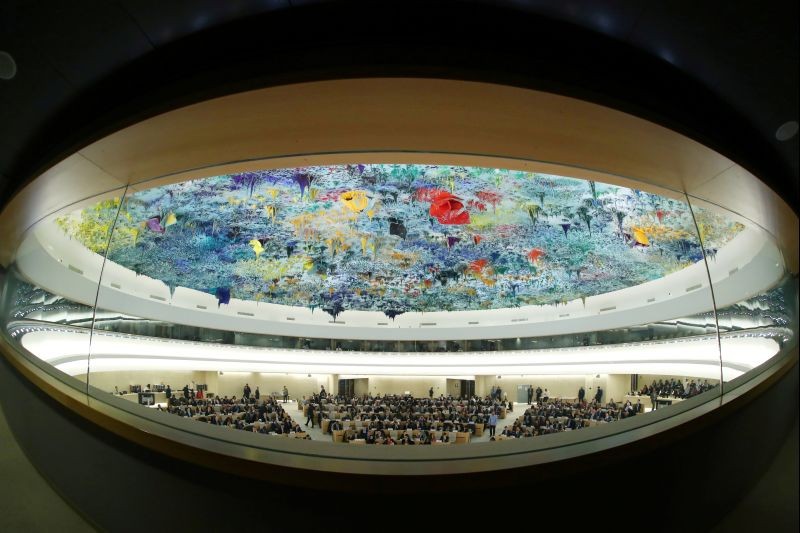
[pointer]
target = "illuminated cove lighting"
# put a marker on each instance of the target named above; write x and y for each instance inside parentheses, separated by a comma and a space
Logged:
(697, 357)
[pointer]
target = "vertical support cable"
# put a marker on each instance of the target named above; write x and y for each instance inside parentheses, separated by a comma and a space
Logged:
(711, 288)
(99, 281)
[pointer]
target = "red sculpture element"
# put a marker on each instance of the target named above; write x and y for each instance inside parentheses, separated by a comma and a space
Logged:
(478, 265)
(490, 197)
(535, 254)
(478, 206)
(449, 210)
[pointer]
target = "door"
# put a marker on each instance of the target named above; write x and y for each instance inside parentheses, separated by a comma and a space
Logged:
(467, 388)
(347, 388)
(522, 393)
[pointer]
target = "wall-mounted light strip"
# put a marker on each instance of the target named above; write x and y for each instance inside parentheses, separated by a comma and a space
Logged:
(159, 298)
(603, 309)
(76, 269)
(116, 285)
(201, 307)
(244, 313)
(693, 287)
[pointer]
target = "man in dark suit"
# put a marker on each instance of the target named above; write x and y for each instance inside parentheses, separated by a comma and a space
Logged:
(581, 394)
(530, 394)
(310, 414)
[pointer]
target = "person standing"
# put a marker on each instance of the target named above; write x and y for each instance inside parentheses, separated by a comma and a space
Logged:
(430, 393)
(185, 391)
(599, 396)
(168, 393)
(285, 394)
(258, 394)
(530, 394)
(581, 394)
(492, 423)
(310, 414)
(246, 391)
(538, 394)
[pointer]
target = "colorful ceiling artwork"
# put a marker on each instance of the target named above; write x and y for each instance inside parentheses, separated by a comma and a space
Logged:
(399, 238)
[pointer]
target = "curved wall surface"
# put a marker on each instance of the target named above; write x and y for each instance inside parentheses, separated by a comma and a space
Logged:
(731, 315)
(70, 314)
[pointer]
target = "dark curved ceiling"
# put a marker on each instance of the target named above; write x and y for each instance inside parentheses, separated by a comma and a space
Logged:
(724, 73)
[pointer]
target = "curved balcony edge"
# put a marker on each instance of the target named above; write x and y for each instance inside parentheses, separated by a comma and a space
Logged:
(87, 456)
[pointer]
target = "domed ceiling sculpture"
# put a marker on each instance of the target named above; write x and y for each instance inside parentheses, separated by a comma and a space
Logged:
(399, 238)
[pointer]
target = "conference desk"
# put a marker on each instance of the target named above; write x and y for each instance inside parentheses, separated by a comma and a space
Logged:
(634, 398)
(666, 401)
(158, 397)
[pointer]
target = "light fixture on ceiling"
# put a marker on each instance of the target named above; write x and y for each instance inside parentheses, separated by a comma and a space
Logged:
(8, 67)
(786, 131)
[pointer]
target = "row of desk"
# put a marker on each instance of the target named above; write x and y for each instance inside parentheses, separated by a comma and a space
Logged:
(456, 437)
(661, 401)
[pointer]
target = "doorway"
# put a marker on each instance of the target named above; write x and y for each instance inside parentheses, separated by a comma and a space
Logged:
(522, 393)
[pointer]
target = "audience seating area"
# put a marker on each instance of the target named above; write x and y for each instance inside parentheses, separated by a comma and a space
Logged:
(393, 419)
(408, 420)
(265, 415)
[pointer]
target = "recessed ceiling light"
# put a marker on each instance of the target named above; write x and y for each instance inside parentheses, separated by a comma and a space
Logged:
(8, 67)
(786, 131)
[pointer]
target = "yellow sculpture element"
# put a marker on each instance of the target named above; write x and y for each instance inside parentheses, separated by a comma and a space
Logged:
(273, 193)
(355, 201)
(171, 219)
(363, 245)
(313, 192)
(255, 244)
(640, 237)
(134, 235)
(270, 211)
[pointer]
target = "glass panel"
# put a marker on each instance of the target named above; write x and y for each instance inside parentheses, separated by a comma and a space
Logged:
(53, 281)
(587, 291)
(752, 290)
